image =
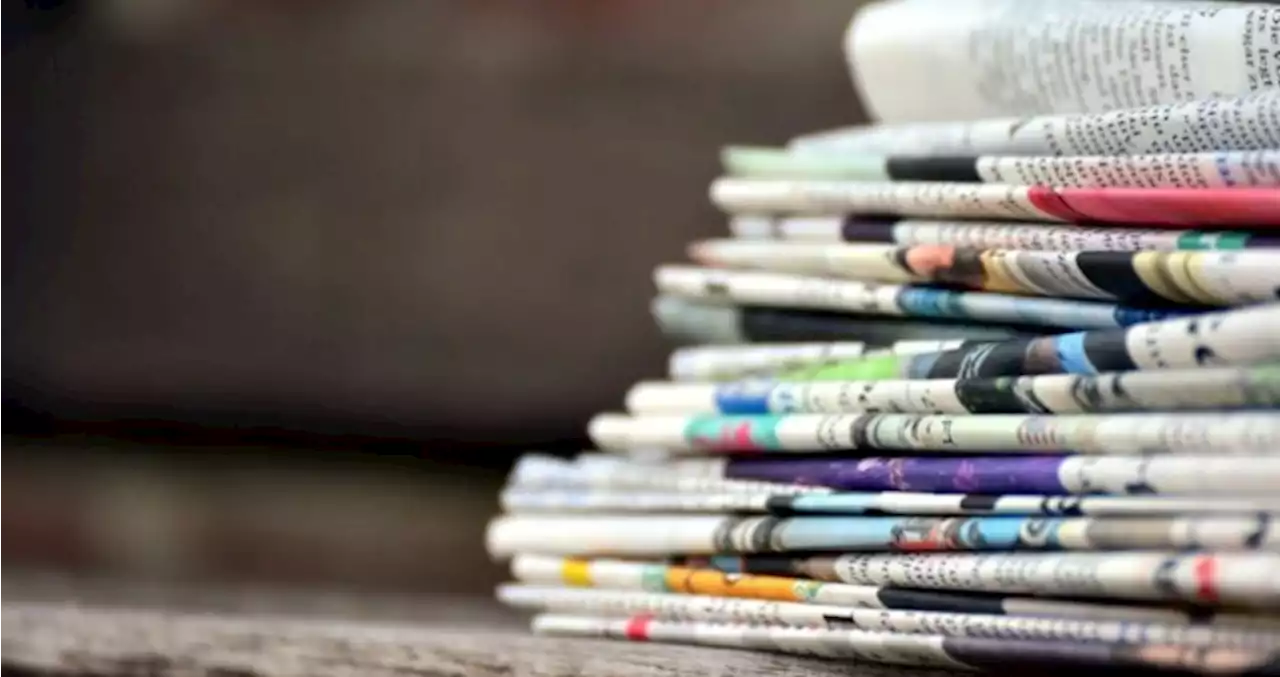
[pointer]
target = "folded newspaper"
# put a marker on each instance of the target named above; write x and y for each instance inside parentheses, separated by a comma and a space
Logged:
(991, 382)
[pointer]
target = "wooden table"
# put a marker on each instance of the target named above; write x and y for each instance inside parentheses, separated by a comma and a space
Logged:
(103, 629)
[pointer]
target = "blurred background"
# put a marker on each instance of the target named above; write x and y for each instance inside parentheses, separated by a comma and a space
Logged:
(290, 283)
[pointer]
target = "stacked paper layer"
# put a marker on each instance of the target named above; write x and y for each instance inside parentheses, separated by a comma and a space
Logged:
(993, 382)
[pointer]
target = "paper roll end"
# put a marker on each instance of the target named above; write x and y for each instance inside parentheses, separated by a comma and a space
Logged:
(610, 431)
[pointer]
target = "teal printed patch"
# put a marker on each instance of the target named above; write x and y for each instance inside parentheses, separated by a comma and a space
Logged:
(734, 433)
(1197, 240)
(805, 590)
(653, 578)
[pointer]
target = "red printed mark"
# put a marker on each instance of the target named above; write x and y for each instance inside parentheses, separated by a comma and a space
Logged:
(1049, 201)
(933, 538)
(731, 437)
(1206, 573)
(638, 627)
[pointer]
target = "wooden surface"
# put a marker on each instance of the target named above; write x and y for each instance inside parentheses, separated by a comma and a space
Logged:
(61, 629)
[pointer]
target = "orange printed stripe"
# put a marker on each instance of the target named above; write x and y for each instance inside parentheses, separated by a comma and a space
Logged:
(721, 584)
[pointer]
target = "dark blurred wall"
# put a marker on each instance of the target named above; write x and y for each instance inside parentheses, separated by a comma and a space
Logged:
(430, 220)
(289, 282)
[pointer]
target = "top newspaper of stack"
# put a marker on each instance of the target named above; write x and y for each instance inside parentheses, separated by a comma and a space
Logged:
(1028, 110)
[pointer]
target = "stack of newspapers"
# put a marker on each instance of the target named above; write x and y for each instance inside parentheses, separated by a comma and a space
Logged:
(993, 381)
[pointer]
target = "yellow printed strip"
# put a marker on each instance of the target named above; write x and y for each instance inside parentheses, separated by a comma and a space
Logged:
(997, 277)
(1187, 270)
(1154, 271)
(576, 572)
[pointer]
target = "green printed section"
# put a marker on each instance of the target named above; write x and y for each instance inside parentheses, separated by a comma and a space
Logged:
(777, 163)
(805, 590)
(734, 433)
(653, 578)
(1262, 385)
(882, 368)
(1195, 239)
